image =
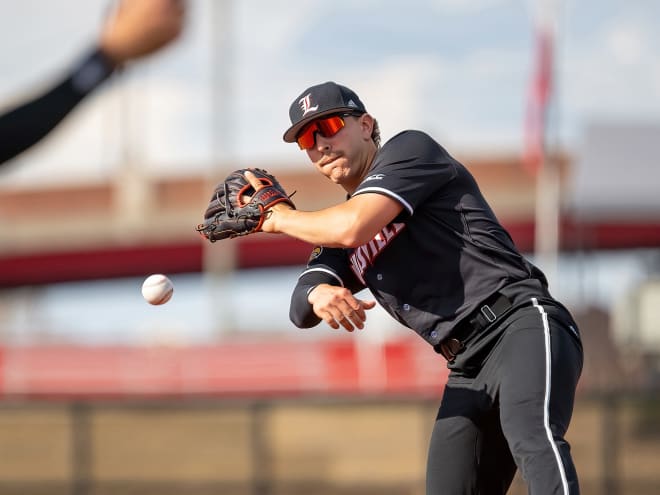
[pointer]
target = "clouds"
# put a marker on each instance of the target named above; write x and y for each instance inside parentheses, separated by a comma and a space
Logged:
(611, 69)
(627, 44)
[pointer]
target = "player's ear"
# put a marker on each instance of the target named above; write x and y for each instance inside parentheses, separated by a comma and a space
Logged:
(366, 126)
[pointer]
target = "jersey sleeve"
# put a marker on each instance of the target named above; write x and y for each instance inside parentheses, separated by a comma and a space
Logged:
(29, 122)
(325, 266)
(409, 168)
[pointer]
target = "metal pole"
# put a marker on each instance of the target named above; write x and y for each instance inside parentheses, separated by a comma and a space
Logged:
(81, 449)
(219, 259)
(612, 444)
(548, 178)
(546, 239)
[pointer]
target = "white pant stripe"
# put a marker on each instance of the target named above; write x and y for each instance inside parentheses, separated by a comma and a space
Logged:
(546, 401)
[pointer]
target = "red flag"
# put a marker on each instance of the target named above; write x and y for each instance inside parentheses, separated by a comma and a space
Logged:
(537, 104)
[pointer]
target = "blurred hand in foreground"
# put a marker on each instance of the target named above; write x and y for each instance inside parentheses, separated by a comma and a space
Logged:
(141, 27)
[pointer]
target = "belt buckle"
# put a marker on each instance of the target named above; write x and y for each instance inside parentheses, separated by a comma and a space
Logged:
(488, 313)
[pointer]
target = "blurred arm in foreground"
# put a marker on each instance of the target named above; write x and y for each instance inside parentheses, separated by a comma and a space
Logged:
(138, 28)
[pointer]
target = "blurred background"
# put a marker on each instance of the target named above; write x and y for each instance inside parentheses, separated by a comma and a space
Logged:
(216, 391)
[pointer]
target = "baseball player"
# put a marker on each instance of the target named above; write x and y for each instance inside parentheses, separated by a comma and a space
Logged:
(416, 231)
(137, 29)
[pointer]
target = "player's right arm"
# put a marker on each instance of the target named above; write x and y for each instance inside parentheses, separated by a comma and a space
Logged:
(324, 292)
(338, 306)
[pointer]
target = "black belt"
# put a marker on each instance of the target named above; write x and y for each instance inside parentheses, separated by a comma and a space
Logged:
(485, 315)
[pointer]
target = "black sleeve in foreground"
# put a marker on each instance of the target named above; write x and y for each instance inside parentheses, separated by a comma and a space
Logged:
(301, 312)
(27, 124)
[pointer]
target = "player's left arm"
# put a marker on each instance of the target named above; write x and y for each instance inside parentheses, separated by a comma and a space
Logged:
(349, 224)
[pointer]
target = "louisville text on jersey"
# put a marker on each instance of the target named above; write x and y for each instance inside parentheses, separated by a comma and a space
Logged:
(364, 256)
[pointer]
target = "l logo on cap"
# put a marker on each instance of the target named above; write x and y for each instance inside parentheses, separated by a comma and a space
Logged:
(306, 104)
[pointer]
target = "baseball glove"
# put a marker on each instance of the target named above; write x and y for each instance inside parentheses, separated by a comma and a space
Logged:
(237, 209)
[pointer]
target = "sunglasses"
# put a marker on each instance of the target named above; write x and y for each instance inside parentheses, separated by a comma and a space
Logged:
(326, 127)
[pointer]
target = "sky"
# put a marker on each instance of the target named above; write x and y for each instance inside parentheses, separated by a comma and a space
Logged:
(458, 69)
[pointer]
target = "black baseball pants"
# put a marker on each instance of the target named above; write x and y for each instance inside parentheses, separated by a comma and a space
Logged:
(512, 412)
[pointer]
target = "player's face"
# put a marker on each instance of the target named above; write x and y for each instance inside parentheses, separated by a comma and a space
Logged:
(345, 156)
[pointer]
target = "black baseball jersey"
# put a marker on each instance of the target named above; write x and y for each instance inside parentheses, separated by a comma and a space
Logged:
(433, 264)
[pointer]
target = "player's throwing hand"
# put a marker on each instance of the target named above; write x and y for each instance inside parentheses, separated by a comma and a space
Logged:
(140, 27)
(337, 306)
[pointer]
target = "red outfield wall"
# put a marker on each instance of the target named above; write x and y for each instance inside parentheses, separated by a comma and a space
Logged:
(341, 366)
(265, 251)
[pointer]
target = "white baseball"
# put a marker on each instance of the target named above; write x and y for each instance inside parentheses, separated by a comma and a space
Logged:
(157, 289)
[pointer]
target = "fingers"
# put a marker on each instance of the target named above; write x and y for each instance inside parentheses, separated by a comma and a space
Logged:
(339, 308)
(141, 27)
(368, 304)
(348, 319)
(253, 180)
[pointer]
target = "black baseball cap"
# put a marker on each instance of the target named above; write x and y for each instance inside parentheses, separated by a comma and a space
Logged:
(320, 100)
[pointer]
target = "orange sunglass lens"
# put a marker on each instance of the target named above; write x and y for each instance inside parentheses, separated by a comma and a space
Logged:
(330, 126)
(306, 137)
(327, 127)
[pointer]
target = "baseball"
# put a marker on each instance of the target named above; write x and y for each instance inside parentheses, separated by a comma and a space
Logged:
(157, 289)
